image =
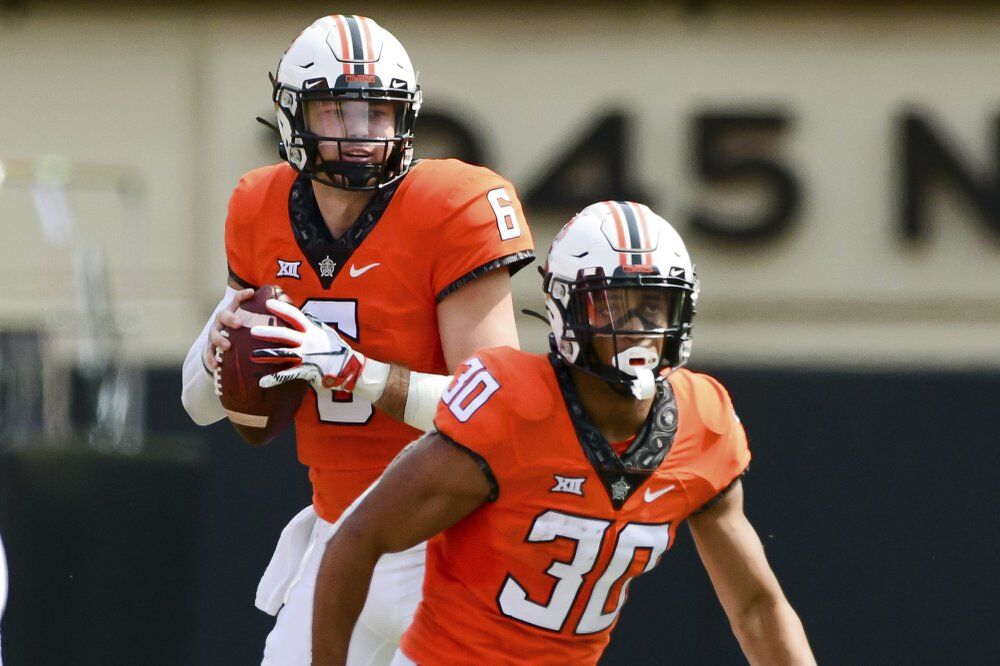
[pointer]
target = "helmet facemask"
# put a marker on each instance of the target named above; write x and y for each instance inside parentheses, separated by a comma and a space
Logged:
(624, 329)
(350, 138)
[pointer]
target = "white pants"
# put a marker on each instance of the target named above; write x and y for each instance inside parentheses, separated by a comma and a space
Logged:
(291, 579)
(402, 660)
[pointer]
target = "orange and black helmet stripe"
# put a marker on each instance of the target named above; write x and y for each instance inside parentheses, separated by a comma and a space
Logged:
(344, 46)
(358, 50)
(633, 233)
(635, 222)
(356, 44)
(620, 228)
(369, 47)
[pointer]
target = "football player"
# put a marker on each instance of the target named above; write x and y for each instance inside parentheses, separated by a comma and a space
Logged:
(408, 262)
(551, 481)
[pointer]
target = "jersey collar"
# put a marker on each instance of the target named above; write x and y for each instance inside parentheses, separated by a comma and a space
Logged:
(327, 255)
(622, 475)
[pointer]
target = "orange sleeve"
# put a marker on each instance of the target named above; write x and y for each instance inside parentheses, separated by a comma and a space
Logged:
(240, 234)
(723, 453)
(483, 229)
(474, 415)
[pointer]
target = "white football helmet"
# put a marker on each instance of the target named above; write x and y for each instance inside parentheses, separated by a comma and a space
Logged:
(346, 98)
(619, 270)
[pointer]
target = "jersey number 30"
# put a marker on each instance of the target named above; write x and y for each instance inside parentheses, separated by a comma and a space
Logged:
(588, 533)
(470, 390)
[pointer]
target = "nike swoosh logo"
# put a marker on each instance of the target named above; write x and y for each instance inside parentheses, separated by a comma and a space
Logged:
(355, 272)
(650, 496)
(309, 85)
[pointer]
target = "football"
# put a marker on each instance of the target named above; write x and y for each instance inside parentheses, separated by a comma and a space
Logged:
(258, 414)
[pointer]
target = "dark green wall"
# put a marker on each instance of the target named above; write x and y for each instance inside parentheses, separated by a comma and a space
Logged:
(872, 493)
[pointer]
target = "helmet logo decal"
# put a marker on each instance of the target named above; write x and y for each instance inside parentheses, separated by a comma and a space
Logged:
(370, 79)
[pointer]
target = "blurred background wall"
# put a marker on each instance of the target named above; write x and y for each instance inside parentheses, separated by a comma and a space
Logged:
(833, 166)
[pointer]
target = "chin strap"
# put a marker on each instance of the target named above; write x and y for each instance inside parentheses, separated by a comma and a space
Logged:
(354, 176)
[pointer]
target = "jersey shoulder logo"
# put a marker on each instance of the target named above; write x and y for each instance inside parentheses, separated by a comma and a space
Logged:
(568, 484)
(288, 269)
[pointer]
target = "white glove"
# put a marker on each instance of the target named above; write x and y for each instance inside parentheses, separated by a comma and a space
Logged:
(324, 359)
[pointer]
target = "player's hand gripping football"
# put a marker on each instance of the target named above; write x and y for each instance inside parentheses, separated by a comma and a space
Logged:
(218, 337)
(323, 358)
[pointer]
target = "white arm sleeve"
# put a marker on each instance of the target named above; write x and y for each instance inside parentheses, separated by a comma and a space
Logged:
(422, 399)
(198, 393)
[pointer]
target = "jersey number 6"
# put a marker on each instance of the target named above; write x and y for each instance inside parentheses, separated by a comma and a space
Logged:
(503, 208)
(343, 316)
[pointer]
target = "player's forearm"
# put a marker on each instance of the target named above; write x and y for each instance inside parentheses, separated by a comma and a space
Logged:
(770, 632)
(342, 584)
(198, 387)
(397, 385)
(412, 397)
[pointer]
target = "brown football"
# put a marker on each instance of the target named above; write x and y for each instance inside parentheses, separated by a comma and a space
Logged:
(258, 414)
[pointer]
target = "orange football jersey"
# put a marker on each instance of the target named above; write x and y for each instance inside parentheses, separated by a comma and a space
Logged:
(539, 574)
(443, 224)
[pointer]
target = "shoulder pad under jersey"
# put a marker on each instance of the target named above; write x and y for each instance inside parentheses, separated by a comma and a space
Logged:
(711, 400)
(445, 187)
(529, 395)
(254, 188)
